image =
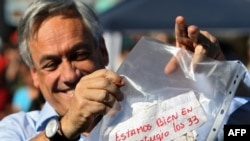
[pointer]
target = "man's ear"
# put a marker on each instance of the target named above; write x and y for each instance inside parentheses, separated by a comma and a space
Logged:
(104, 52)
(34, 77)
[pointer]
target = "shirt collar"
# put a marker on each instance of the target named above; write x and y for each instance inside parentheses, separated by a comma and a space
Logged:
(46, 113)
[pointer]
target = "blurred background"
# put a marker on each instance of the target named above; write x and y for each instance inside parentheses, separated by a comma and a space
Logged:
(125, 22)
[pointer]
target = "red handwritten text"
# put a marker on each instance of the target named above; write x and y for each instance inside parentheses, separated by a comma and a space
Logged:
(133, 132)
(163, 121)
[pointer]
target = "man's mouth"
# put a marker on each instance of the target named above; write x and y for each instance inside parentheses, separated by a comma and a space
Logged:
(68, 93)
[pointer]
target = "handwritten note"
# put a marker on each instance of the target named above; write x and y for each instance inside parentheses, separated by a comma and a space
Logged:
(161, 120)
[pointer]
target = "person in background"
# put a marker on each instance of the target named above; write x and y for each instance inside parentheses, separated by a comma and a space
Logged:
(37, 103)
(10, 63)
(9, 68)
(26, 92)
(5, 95)
(62, 43)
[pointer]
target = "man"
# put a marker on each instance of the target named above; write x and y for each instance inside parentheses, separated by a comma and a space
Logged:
(62, 43)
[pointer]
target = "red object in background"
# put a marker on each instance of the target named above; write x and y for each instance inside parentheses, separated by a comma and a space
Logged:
(14, 38)
(4, 93)
(3, 64)
(4, 98)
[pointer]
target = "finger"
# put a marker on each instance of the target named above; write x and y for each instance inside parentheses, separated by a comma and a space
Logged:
(110, 75)
(99, 84)
(193, 33)
(215, 51)
(180, 27)
(96, 102)
(206, 45)
(180, 30)
(108, 99)
(103, 103)
(208, 36)
(171, 66)
(210, 44)
(181, 41)
(181, 33)
(201, 46)
(101, 96)
(198, 56)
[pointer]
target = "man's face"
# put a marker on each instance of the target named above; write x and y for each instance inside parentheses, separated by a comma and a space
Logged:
(63, 50)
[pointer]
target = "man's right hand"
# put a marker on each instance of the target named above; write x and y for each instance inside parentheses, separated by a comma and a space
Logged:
(94, 95)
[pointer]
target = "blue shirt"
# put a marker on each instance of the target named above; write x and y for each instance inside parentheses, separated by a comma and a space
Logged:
(23, 126)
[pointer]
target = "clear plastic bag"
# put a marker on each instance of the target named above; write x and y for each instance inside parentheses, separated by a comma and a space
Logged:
(188, 104)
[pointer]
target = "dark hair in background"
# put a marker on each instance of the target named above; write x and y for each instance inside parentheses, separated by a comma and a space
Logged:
(37, 103)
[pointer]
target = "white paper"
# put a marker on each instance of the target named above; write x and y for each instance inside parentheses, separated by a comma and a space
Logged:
(161, 120)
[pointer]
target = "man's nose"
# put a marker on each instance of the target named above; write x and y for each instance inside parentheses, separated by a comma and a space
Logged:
(68, 72)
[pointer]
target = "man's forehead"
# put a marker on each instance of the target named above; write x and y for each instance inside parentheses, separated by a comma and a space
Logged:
(54, 22)
(61, 33)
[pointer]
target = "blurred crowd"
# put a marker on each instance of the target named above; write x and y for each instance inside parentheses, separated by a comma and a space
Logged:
(17, 92)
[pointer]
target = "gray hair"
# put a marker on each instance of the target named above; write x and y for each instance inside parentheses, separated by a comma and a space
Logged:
(39, 10)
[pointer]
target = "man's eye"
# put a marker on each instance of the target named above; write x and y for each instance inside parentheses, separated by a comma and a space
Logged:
(49, 66)
(80, 55)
